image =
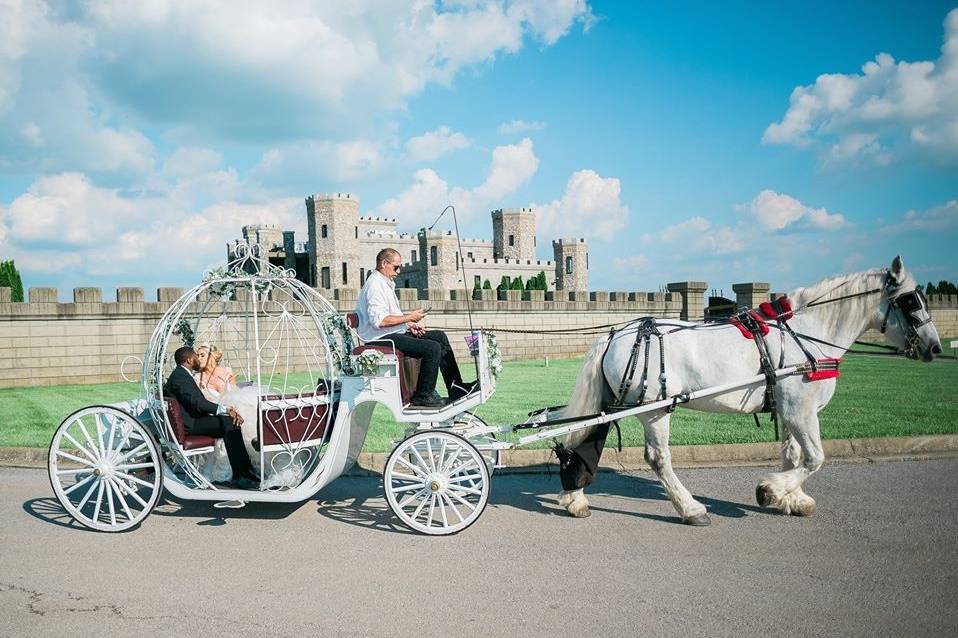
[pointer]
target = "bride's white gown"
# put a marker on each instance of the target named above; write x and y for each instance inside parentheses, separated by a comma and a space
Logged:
(280, 472)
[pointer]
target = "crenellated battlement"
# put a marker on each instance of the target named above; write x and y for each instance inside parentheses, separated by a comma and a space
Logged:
(317, 197)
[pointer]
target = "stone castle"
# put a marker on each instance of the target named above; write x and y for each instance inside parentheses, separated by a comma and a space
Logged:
(340, 250)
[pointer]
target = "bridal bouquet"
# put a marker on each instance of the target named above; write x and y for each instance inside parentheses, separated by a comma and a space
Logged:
(368, 362)
(492, 352)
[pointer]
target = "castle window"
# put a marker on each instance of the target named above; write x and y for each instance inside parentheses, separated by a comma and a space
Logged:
(324, 232)
(345, 281)
(512, 240)
(324, 277)
(533, 240)
(469, 255)
(587, 261)
(357, 232)
(457, 260)
(568, 265)
(478, 282)
(362, 276)
(413, 260)
(433, 256)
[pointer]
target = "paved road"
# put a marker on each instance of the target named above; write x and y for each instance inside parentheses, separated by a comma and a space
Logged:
(880, 558)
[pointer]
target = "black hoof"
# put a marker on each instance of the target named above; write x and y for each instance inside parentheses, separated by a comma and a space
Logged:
(700, 520)
(763, 495)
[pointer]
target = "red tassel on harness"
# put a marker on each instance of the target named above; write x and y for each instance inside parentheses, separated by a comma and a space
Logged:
(828, 369)
(781, 308)
(735, 321)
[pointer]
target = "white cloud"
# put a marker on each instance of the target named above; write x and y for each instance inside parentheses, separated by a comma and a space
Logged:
(699, 235)
(190, 160)
(937, 219)
(589, 207)
(889, 109)
(776, 211)
(632, 262)
(511, 167)
(302, 165)
(435, 144)
(520, 126)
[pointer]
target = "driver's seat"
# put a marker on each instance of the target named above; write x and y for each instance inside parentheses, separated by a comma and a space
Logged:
(408, 366)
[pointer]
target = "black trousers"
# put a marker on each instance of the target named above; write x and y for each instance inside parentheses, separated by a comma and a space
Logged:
(222, 427)
(435, 354)
(579, 465)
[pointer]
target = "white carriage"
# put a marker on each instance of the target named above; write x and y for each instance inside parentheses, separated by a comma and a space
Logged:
(309, 393)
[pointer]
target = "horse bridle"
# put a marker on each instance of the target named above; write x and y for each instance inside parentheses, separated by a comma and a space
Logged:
(909, 306)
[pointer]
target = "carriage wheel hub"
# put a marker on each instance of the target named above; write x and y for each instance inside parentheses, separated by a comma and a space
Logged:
(436, 483)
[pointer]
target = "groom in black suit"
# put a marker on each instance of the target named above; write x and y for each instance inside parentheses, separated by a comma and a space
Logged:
(201, 416)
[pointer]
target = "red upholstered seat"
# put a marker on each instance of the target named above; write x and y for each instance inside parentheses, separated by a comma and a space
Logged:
(407, 376)
(187, 441)
(296, 423)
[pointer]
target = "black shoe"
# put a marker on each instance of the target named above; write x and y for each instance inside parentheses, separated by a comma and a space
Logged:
(255, 444)
(428, 402)
(458, 391)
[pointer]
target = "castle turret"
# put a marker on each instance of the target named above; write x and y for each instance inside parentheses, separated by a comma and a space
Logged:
(572, 264)
(333, 226)
(514, 233)
(439, 251)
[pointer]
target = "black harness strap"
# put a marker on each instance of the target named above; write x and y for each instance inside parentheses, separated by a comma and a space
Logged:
(765, 362)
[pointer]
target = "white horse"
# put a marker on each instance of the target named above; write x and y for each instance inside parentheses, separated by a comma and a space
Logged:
(699, 356)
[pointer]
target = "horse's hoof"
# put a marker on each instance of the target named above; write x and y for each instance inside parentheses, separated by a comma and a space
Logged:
(764, 496)
(579, 508)
(699, 520)
(566, 497)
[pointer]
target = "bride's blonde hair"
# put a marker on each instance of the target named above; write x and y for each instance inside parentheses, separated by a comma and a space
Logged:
(215, 354)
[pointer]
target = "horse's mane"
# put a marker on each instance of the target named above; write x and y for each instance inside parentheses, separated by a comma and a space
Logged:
(839, 286)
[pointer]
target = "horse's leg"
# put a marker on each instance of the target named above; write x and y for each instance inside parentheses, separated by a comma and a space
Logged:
(578, 468)
(658, 456)
(802, 456)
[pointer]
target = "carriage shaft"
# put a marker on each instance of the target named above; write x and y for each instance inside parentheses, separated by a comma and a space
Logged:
(550, 433)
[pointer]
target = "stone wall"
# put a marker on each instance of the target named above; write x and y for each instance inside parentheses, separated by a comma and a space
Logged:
(43, 342)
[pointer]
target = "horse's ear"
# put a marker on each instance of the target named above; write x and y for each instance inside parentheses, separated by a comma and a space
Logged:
(897, 268)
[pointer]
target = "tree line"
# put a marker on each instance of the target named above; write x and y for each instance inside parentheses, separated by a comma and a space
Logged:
(943, 288)
(536, 282)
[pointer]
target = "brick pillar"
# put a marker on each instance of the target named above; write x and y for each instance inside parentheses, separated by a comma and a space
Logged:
(751, 294)
(693, 298)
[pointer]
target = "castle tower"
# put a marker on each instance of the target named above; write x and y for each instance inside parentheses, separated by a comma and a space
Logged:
(572, 264)
(439, 253)
(514, 233)
(333, 227)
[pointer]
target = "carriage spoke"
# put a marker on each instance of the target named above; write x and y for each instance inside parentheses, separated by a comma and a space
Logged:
(78, 483)
(405, 488)
(419, 509)
(442, 456)
(406, 501)
(406, 477)
(432, 458)
(472, 508)
(86, 497)
(134, 466)
(447, 464)
(432, 508)
(464, 489)
(130, 477)
(132, 452)
(118, 490)
(468, 465)
(136, 497)
(467, 477)
(442, 509)
(99, 502)
(75, 458)
(79, 447)
(454, 508)
(99, 434)
(412, 467)
(86, 435)
(422, 461)
(109, 501)
(110, 436)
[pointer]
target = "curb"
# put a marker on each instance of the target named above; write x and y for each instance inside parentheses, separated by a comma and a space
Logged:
(632, 458)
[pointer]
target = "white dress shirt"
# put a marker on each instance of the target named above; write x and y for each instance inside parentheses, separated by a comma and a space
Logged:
(377, 300)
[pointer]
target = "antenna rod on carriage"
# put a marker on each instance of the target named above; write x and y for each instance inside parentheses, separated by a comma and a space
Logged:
(462, 262)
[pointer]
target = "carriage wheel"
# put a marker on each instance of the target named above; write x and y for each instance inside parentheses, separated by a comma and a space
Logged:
(467, 422)
(105, 469)
(436, 482)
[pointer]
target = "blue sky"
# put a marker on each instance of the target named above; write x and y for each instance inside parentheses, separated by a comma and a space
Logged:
(722, 142)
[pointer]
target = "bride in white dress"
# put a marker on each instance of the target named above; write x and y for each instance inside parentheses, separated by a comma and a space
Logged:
(218, 384)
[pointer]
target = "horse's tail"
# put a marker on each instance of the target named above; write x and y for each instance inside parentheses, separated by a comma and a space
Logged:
(587, 395)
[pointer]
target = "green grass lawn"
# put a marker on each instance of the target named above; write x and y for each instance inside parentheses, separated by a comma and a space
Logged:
(877, 396)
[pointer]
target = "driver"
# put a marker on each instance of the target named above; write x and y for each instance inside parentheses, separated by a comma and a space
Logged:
(381, 319)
